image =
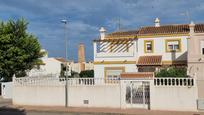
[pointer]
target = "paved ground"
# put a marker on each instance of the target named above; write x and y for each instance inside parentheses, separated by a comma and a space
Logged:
(6, 108)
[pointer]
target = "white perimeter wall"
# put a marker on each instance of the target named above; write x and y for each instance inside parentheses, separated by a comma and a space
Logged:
(113, 96)
(173, 98)
(98, 96)
(7, 90)
(39, 95)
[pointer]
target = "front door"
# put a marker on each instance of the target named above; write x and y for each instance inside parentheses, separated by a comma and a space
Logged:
(137, 94)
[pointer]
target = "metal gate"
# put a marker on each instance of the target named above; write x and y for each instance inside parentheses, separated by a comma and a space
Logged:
(137, 94)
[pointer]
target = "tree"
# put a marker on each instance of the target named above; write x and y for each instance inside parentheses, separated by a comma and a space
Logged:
(19, 50)
(86, 73)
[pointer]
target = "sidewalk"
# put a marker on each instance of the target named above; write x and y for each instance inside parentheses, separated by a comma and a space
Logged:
(105, 110)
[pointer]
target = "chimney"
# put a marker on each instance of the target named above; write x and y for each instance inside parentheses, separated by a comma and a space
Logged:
(81, 53)
(157, 22)
(191, 26)
(102, 33)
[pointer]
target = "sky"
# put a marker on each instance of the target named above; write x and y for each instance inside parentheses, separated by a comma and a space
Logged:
(85, 17)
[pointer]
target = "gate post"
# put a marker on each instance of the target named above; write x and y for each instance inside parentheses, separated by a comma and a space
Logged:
(143, 95)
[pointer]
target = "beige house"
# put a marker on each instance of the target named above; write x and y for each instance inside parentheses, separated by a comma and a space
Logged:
(196, 56)
(146, 49)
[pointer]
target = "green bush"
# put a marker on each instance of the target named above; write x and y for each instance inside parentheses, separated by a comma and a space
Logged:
(87, 73)
(172, 72)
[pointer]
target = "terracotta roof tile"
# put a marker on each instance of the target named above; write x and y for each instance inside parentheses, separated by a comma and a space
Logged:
(199, 28)
(61, 59)
(120, 34)
(166, 29)
(136, 75)
(152, 30)
(150, 60)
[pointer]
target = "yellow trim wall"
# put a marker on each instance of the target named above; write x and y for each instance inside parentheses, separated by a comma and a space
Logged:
(165, 62)
(114, 62)
(113, 68)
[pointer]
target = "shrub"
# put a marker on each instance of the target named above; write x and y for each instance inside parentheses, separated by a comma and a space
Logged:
(172, 72)
(87, 73)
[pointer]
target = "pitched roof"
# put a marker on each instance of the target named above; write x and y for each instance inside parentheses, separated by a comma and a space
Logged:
(152, 30)
(123, 34)
(61, 60)
(136, 75)
(150, 60)
(166, 29)
(199, 28)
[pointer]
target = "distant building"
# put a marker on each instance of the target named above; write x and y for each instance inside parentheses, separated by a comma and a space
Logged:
(81, 53)
(81, 65)
(49, 66)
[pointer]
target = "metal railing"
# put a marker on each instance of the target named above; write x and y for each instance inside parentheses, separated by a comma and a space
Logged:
(174, 81)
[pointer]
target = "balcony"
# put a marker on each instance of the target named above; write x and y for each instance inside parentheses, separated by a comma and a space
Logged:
(114, 48)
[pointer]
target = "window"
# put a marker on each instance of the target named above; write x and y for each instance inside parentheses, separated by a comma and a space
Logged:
(173, 45)
(148, 46)
(113, 73)
(146, 69)
(202, 47)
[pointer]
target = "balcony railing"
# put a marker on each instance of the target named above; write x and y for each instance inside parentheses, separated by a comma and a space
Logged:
(119, 48)
(174, 82)
(53, 81)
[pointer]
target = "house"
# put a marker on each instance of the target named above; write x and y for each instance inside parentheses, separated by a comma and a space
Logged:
(50, 65)
(196, 58)
(146, 49)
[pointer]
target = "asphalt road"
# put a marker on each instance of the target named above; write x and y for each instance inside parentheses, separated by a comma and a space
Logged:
(10, 111)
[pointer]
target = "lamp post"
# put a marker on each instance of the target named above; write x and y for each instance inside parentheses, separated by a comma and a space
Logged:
(64, 21)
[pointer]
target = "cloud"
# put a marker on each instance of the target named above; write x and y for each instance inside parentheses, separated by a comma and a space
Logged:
(85, 17)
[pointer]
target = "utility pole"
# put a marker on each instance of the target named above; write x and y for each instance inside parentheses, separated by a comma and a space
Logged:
(119, 24)
(188, 17)
(66, 62)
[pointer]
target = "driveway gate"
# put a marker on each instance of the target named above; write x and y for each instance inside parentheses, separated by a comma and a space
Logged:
(137, 94)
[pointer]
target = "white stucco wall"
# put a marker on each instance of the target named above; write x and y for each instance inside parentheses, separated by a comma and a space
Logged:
(173, 98)
(98, 96)
(39, 95)
(161, 97)
(52, 66)
(7, 90)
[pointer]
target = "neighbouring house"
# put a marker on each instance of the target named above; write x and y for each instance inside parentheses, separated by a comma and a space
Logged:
(50, 65)
(196, 58)
(146, 49)
(78, 67)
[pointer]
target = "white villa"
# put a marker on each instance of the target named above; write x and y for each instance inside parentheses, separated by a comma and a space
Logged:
(146, 49)
(50, 65)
